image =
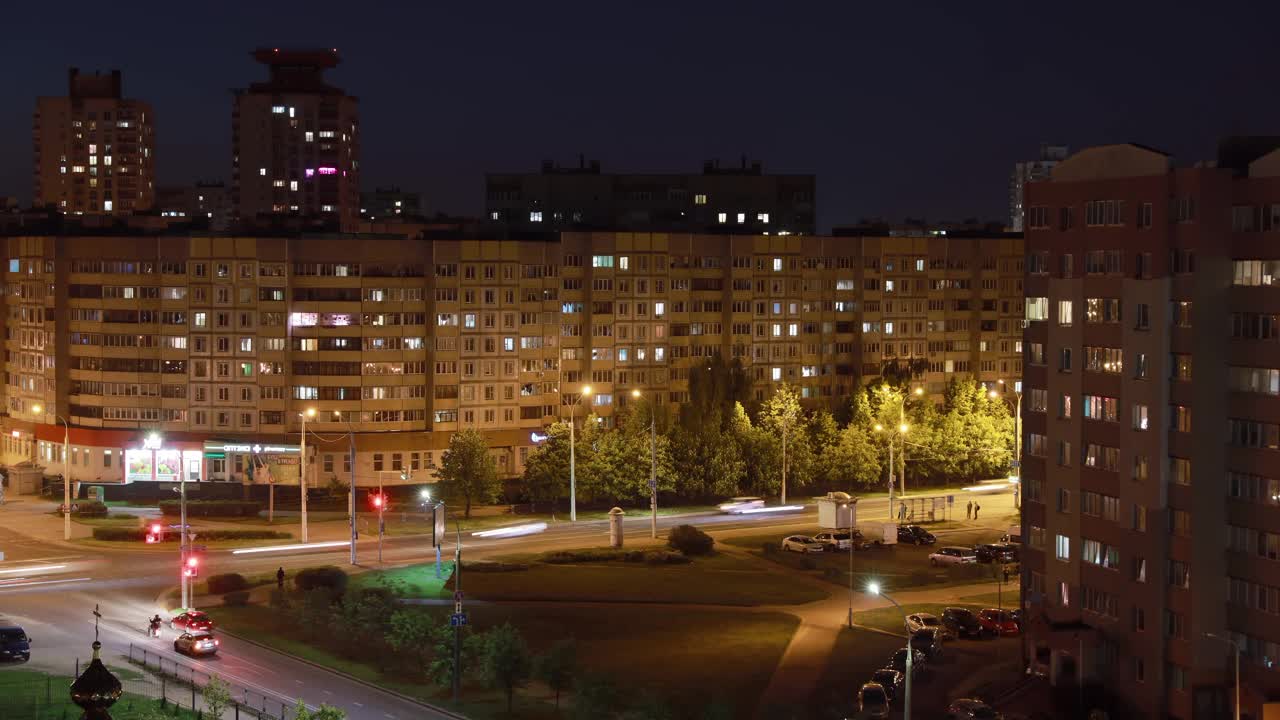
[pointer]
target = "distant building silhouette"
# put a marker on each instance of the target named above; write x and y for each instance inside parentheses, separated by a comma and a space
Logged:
(1030, 171)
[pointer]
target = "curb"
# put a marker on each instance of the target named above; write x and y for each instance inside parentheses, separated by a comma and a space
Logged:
(352, 678)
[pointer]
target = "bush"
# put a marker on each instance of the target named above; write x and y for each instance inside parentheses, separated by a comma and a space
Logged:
(690, 540)
(236, 599)
(489, 566)
(327, 577)
(140, 534)
(212, 508)
(565, 557)
(88, 509)
(279, 599)
(662, 557)
(226, 583)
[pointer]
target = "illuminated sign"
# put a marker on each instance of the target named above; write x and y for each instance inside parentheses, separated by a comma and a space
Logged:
(538, 437)
(151, 442)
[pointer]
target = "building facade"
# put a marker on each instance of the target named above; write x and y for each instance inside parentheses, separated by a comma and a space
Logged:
(1152, 426)
(94, 148)
(218, 338)
(390, 203)
(295, 144)
(205, 204)
(1031, 171)
(738, 200)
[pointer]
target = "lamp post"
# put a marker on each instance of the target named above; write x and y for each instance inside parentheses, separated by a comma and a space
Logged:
(902, 430)
(1236, 647)
(351, 486)
(1017, 436)
(573, 460)
(66, 471)
(302, 468)
(874, 589)
(653, 468)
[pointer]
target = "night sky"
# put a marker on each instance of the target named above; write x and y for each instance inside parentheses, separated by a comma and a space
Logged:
(901, 109)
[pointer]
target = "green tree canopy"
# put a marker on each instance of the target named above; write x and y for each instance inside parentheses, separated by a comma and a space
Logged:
(504, 660)
(467, 470)
(546, 472)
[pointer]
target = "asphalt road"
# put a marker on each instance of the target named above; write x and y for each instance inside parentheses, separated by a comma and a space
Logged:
(52, 590)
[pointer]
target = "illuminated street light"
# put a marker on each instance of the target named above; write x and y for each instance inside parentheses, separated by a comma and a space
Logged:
(573, 458)
(873, 588)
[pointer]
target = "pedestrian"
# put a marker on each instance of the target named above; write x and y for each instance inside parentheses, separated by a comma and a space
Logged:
(902, 512)
(280, 578)
(968, 510)
(976, 508)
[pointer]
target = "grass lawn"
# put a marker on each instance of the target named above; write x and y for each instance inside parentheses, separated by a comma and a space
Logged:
(35, 695)
(111, 520)
(889, 618)
(716, 580)
(690, 657)
(1009, 598)
(413, 581)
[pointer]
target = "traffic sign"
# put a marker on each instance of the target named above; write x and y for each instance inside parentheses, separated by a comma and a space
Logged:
(951, 499)
(653, 485)
(457, 620)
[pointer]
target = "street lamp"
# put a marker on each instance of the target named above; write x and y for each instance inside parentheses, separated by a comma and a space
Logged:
(573, 462)
(66, 471)
(874, 589)
(1236, 647)
(902, 430)
(302, 480)
(653, 468)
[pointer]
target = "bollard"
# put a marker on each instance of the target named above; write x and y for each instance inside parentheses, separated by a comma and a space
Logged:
(237, 711)
(193, 697)
(615, 527)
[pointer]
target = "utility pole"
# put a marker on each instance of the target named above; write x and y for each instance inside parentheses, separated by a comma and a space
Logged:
(182, 541)
(351, 495)
(573, 459)
(302, 468)
(457, 609)
(653, 472)
(784, 461)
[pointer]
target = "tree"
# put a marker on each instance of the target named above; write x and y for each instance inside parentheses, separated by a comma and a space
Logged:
(557, 666)
(855, 460)
(781, 416)
(546, 473)
(412, 632)
(596, 698)
(504, 660)
(324, 712)
(467, 470)
(217, 697)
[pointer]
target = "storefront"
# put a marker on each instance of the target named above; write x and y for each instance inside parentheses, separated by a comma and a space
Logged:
(256, 463)
(158, 460)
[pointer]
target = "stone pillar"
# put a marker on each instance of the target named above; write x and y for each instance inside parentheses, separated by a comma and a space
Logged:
(615, 527)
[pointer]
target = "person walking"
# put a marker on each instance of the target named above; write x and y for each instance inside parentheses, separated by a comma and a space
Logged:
(968, 510)
(280, 578)
(902, 512)
(976, 508)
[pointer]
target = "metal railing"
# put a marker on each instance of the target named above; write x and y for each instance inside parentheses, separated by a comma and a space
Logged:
(180, 684)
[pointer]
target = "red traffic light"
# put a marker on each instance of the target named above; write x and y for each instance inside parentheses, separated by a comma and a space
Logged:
(378, 501)
(193, 561)
(156, 529)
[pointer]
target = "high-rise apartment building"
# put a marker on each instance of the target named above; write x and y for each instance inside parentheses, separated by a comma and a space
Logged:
(225, 339)
(205, 204)
(737, 200)
(1031, 171)
(1151, 458)
(94, 148)
(295, 143)
(390, 203)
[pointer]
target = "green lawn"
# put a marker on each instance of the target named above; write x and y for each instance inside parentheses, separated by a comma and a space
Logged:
(35, 695)
(720, 579)
(1008, 598)
(111, 520)
(890, 618)
(413, 581)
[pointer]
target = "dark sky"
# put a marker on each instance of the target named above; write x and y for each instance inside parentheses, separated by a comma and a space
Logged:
(900, 108)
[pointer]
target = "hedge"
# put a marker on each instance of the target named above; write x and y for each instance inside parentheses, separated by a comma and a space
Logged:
(212, 508)
(327, 576)
(88, 508)
(226, 583)
(652, 557)
(140, 535)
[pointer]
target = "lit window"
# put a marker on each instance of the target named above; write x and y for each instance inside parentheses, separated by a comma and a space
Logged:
(494, 215)
(310, 136)
(326, 133)
(762, 217)
(398, 203)
(722, 217)
(106, 159)
(535, 216)
(742, 217)
(700, 199)
(93, 159)
(293, 185)
(310, 172)
(624, 262)
(62, 169)
(1063, 548)
(291, 111)
(93, 149)
(323, 208)
(777, 373)
(659, 309)
(277, 183)
(262, 172)
(777, 264)
(106, 205)
(277, 109)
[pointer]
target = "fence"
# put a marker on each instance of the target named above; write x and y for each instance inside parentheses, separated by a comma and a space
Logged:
(179, 684)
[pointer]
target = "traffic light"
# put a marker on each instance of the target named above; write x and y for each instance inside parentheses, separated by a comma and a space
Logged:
(193, 567)
(378, 500)
(155, 533)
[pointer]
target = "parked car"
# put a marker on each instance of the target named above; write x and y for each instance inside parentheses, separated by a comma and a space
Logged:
(837, 540)
(738, 505)
(802, 544)
(898, 661)
(952, 555)
(15, 644)
(920, 621)
(1017, 616)
(1001, 622)
(1013, 537)
(967, 708)
(191, 621)
(200, 642)
(915, 535)
(996, 552)
(891, 680)
(873, 701)
(928, 642)
(962, 622)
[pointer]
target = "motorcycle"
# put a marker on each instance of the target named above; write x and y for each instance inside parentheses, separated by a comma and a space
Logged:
(153, 628)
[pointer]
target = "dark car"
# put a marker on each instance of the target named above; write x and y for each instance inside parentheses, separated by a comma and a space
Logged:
(891, 680)
(899, 662)
(15, 645)
(196, 643)
(915, 535)
(963, 622)
(192, 621)
(928, 642)
(986, 552)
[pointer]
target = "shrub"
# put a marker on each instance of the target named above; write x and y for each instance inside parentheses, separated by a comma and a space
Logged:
(327, 577)
(690, 540)
(490, 566)
(89, 509)
(226, 583)
(565, 557)
(662, 557)
(236, 599)
(212, 508)
(279, 599)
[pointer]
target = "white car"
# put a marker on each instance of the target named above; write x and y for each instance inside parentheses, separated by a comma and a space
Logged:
(739, 505)
(802, 544)
(953, 556)
(920, 621)
(838, 540)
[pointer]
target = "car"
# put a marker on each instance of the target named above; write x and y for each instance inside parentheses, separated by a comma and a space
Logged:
(891, 680)
(873, 701)
(952, 555)
(928, 642)
(1017, 616)
(199, 642)
(920, 621)
(1000, 622)
(1013, 537)
(15, 644)
(739, 505)
(996, 552)
(802, 544)
(837, 540)
(915, 535)
(962, 622)
(898, 661)
(192, 620)
(967, 708)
